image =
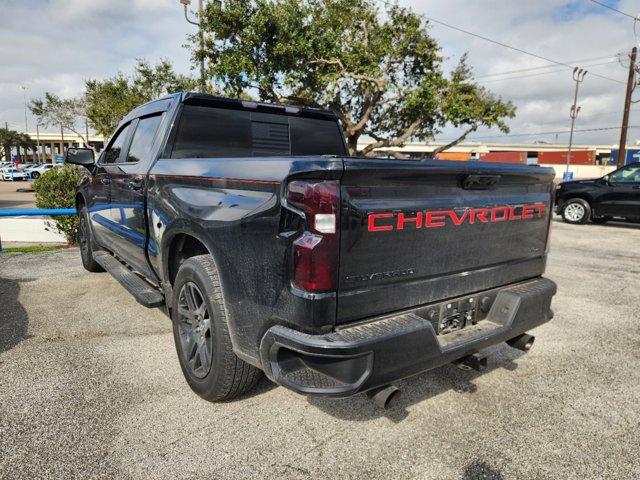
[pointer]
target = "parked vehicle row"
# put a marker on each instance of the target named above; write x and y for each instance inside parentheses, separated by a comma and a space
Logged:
(26, 171)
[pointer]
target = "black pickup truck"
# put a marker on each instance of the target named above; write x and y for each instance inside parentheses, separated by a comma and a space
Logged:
(601, 199)
(274, 251)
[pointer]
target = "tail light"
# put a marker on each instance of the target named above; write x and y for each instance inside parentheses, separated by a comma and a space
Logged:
(315, 252)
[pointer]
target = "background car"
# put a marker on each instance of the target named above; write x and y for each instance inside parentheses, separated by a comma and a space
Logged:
(599, 200)
(14, 174)
(36, 172)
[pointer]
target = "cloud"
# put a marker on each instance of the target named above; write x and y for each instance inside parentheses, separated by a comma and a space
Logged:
(55, 45)
(559, 30)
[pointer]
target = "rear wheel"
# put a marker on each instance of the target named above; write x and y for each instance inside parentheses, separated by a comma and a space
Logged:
(201, 334)
(576, 211)
(35, 175)
(86, 244)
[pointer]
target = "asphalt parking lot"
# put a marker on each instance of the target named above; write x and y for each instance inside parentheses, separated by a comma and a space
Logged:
(10, 197)
(90, 387)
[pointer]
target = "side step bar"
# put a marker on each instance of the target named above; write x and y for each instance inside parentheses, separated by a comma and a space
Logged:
(144, 293)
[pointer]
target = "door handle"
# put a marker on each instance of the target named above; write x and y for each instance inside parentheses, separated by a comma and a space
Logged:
(136, 184)
(105, 181)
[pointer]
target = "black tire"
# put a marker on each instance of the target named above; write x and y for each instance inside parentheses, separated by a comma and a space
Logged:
(576, 211)
(222, 376)
(35, 175)
(600, 220)
(87, 245)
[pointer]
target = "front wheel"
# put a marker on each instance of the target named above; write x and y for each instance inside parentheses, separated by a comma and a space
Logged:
(576, 211)
(201, 334)
(87, 245)
(35, 175)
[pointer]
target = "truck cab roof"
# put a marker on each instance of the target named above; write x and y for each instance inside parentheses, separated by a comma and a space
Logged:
(203, 99)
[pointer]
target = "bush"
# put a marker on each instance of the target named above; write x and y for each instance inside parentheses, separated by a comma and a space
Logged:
(56, 188)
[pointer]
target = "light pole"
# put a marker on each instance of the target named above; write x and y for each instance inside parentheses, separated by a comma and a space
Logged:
(24, 96)
(186, 3)
(578, 77)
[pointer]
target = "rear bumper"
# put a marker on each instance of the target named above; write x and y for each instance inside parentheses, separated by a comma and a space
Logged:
(368, 355)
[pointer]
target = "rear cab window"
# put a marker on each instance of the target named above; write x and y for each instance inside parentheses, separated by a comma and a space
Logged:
(210, 132)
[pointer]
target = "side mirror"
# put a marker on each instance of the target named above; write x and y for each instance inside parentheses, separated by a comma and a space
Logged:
(605, 180)
(80, 156)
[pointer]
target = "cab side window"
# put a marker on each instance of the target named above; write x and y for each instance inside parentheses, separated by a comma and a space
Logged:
(112, 153)
(626, 175)
(142, 142)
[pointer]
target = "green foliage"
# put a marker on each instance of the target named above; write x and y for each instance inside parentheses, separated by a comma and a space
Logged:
(107, 101)
(56, 188)
(31, 249)
(10, 139)
(54, 111)
(381, 71)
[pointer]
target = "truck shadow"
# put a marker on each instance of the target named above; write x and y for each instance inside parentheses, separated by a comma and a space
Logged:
(14, 320)
(418, 388)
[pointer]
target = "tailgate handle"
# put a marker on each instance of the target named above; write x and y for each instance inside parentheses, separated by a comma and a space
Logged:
(480, 182)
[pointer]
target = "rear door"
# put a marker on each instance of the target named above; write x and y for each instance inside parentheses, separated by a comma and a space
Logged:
(418, 232)
(127, 194)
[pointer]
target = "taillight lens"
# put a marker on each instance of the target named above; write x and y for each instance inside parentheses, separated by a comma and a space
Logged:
(315, 254)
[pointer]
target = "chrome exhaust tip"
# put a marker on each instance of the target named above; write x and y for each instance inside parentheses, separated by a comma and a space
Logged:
(385, 397)
(522, 342)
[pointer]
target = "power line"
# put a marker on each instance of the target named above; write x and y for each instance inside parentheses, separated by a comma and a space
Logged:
(508, 72)
(559, 132)
(487, 39)
(541, 73)
(502, 44)
(614, 9)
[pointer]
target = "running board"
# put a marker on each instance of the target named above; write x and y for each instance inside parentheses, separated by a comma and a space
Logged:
(144, 293)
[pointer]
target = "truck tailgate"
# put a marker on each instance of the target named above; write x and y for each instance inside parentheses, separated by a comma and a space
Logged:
(419, 232)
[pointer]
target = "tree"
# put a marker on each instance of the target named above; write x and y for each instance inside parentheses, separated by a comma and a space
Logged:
(380, 71)
(53, 110)
(10, 139)
(107, 101)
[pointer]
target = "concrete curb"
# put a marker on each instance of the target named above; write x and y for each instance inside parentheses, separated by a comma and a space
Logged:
(31, 230)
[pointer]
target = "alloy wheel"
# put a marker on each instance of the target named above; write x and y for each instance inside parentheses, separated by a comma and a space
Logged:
(574, 212)
(83, 237)
(195, 330)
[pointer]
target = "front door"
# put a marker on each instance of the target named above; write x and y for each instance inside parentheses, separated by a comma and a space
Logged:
(102, 222)
(128, 195)
(622, 198)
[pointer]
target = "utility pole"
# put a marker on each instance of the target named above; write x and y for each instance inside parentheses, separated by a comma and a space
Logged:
(24, 96)
(39, 156)
(578, 77)
(622, 152)
(186, 3)
(61, 145)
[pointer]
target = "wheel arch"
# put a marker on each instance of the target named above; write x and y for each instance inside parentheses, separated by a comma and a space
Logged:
(183, 242)
(581, 195)
(80, 202)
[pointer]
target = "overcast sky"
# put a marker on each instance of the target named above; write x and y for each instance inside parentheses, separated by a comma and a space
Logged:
(56, 45)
